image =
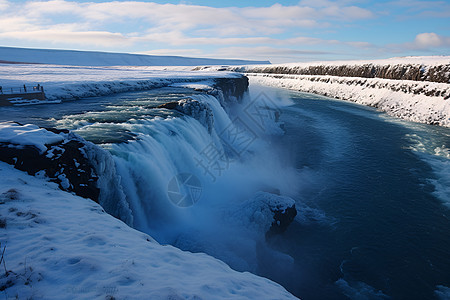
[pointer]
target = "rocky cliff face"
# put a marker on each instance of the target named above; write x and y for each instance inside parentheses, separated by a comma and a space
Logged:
(396, 71)
(66, 163)
(417, 101)
(412, 88)
(232, 87)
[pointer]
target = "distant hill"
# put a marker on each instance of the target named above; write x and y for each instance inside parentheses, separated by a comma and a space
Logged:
(91, 58)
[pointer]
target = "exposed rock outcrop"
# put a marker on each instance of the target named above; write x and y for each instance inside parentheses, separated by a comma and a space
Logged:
(282, 218)
(65, 163)
(232, 87)
(266, 212)
(417, 101)
(395, 71)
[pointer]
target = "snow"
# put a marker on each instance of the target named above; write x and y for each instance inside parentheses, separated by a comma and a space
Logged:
(416, 101)
(60, 246)
(91, 58)
(426, 101)
(72, 82)
(203, 85)
(30, 135)
(412, 60)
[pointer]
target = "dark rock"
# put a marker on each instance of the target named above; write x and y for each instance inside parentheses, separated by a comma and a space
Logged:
(416, 72)
(169, 105)
(282, 219)
(267, 212)
(232, 87)
(65, 163)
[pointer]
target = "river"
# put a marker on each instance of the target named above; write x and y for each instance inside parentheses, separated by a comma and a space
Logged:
(372, 192)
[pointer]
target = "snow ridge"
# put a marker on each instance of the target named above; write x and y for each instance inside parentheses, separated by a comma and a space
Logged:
(416, 101)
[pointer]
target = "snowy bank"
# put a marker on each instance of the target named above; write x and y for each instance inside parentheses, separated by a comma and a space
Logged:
(60, 246)
(412, 88)
(417, 68)
(73, 82)
(417, 101)
(94, 58)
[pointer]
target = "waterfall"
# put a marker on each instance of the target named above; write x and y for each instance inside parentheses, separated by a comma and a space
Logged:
(203, 181)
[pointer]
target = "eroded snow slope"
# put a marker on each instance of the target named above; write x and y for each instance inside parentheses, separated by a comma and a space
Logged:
(60, 246)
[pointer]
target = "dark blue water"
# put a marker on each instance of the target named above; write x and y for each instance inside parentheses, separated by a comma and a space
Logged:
(377, 180)
(377, 190)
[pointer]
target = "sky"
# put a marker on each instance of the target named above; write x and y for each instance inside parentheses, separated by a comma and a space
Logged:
(283, 31)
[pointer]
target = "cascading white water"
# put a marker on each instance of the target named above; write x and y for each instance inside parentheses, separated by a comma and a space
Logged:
(233, 163)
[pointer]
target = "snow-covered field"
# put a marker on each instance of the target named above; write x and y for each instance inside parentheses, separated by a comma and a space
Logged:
(91, 58)
(72, 82)
(60, 246)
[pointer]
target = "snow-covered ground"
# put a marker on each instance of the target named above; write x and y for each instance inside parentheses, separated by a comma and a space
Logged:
(91, 58)
(416, 101)
(29, 135)
(412, 88)
(428, 68)
(71, 82)
(60, 246)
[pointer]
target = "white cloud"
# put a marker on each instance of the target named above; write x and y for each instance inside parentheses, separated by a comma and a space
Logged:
(165, 17)
(96, 38)
(424, 42)
(53, 7)
(266, 52)
(361, 44)
(276, 55)
(417, 9)
(14, 23)
(3, 4)
(430, 40)
(177, 38)
(272, 30)
(343, 9)
(177, 52)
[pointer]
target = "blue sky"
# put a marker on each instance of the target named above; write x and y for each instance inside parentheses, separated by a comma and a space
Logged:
(284, 31)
